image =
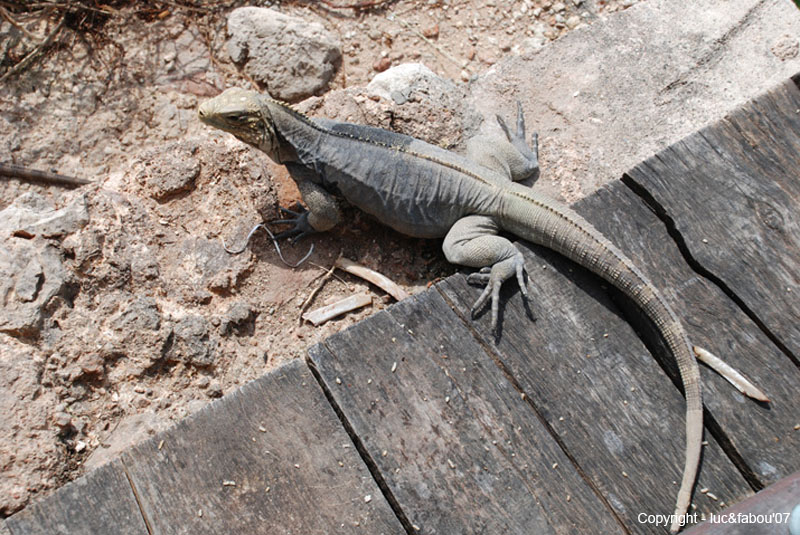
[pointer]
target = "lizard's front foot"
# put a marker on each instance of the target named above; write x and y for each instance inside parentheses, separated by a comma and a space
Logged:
(298, 218)
(493, 278)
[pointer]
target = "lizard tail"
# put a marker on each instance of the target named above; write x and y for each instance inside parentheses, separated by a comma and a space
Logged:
(558, 227)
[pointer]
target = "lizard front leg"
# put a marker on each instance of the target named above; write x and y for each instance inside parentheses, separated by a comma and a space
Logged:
(323, 210)
(473, 241)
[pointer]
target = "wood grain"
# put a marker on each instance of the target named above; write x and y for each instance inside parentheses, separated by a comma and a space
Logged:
(271, 457)
(733, 192)
(595, 383)
(762, 434)
(101, 502)
(460, 449)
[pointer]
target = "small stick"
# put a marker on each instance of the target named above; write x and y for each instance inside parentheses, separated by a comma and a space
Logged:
(35, 53)
(742, 384)
(381, 281)
(325, 278)
(17, 171)
(6, 15)
(363, 4)
(321, 315)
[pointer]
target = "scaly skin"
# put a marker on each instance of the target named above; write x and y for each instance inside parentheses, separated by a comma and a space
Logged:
(426, 191)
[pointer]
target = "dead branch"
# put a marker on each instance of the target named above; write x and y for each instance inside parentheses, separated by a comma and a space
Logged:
(36, 52)
(34, 175)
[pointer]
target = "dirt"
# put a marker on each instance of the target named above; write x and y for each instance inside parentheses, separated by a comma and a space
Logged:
(151, 318)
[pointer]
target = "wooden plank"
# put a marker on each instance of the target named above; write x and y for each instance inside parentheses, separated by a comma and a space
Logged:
(271, 457)
(595, 383)
(100, 502)
(733, 191)
(762, 434)
(460, 449)
(766, 513)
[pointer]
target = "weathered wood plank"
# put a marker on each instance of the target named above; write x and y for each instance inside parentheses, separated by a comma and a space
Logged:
(456, 443)
(589, 375)
(766, 513)
(100, 502)
(271, 457)
(762, 434)
(733, 191)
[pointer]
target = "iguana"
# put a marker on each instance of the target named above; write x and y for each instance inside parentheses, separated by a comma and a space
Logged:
(425, 191)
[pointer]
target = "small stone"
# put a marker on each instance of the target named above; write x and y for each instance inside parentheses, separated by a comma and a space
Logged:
(786, 47)
(573, 21)
(559, 7)
(382, 64)
(431, 32)
(214, 390)
(62, 420)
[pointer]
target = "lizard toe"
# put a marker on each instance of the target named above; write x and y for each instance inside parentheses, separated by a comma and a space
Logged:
(300, 226)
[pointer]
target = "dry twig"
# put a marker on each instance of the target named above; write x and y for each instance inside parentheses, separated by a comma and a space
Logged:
(36, 52)
(34, 175)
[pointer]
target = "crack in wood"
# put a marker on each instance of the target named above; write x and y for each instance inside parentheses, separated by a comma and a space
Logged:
(372, 466)
(515, 383)
(672, 229)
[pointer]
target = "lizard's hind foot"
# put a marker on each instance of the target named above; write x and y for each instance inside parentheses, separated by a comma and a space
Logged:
(493, 278)
(298, 218)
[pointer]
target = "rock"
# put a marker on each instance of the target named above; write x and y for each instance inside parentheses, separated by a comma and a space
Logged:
(214, 390)
(381, 65)
(607, 104)
(140, 315)
(169, 171)
(292, 58)
(32, 215)
(431, 32)
(239, 317)
(573, 21)
(29, 451)
(31, 274)
(402, 80)
(136, 332)
(205, 262)
(191, 343)
(786, 47)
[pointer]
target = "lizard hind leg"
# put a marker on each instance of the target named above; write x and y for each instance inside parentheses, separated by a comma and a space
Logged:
(473, 241)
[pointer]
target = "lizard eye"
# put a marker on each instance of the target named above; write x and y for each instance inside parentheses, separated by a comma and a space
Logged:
(236, 117)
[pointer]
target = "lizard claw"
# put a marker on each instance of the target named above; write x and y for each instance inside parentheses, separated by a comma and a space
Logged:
(298, 218)
(493, 278)
(517, 139)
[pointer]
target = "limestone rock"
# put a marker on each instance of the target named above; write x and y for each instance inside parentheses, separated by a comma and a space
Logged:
(31, 274)
(32, 215)
(292, 58)
(169, 171)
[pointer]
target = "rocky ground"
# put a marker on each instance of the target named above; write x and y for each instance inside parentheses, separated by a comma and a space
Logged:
(121, 310)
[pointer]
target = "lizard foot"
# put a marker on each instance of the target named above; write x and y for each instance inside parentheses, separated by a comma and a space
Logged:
(493, 278)
(298, 218)
(517, 139)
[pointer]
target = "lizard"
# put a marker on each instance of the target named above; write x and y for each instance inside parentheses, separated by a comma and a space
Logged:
(426, 191)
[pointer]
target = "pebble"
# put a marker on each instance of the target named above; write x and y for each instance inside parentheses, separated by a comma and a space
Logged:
(431, 32)
(573, 22)
(382, 64)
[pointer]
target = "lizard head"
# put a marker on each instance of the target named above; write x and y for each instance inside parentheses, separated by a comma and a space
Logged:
(246, 115)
